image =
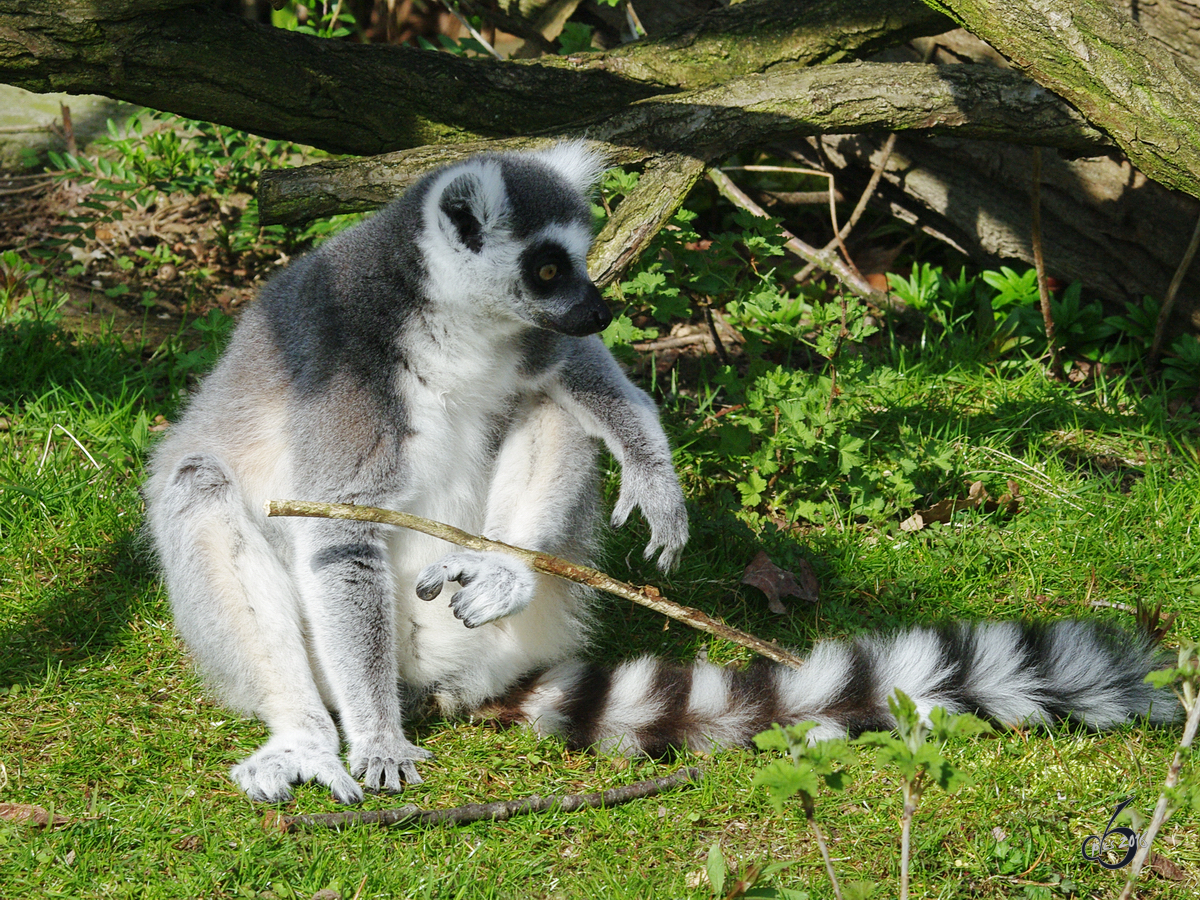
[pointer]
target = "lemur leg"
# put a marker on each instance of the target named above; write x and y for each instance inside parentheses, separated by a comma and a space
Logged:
(236, 606)
(348, 592)
(543, 496)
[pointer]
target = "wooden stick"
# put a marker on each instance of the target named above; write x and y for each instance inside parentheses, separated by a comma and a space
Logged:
(1168, 303)
(647, 596)
(474, 812)
(1039, 264)
(826, 260)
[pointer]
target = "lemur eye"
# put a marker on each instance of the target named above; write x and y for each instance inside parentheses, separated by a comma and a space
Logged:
(548, 272)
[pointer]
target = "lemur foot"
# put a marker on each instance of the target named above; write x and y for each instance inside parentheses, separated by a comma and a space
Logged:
(294, 758)
(494, 585)
(386, 763)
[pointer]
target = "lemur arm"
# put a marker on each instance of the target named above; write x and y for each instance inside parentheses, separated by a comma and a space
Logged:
(590, 385)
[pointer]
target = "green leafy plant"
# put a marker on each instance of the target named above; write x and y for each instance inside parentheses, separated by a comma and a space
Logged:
(157, 161)
(576, 37)
(748, 881)
(920, 762)
(807, 767)
(1013, 290)
(328, 23)
(27, 289)
(1181, 790)
(1181, 367)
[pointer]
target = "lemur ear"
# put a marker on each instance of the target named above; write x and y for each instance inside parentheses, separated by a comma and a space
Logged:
(576, 162)
(463, 205)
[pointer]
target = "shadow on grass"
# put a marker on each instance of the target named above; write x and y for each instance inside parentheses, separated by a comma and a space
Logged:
(69, 625)
(71, 617)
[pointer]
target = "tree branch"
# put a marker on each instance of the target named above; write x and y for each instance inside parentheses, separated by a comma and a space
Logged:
(362, 99)
(786, 103)
(825, 259)
(542, 562)
(665, 182)
(1090, 53)
(474, 812)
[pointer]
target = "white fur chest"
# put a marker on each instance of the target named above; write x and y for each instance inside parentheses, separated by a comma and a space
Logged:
(458, 400)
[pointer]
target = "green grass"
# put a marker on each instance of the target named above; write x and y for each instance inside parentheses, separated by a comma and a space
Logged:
(103, 721)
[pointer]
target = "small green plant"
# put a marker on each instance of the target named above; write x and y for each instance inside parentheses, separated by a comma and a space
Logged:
(328, 23)
(1181, 367)
(181, 364)
(1181, 790)
(808, 766)
(920, 762)
(1013, 290)
(27, 290)
(747, 882)
(576, 37)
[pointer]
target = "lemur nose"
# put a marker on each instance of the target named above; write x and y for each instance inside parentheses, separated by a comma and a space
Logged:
(604, 317)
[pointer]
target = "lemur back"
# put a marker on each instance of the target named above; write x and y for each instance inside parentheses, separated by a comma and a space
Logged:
(440, 358)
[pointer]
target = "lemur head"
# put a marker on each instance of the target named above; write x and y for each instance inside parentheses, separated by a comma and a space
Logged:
(509, 234)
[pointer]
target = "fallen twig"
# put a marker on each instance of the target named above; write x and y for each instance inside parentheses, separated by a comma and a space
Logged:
(475, 812)
(1169, 298)
(543, 562)
(859, 208)
(826, 260)
(673, 342)
(1039, 264)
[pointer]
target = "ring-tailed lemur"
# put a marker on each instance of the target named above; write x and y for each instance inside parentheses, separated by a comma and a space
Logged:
(437, 359)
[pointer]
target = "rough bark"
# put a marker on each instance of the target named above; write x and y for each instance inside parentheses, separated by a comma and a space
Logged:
(354, 98)
(1090, 53)
(1173, 23)
(786, 104)
(752, 36)
(1106, 224)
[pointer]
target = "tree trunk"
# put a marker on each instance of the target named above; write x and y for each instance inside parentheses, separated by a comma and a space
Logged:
(1104, 222)
(1093, 55)
(360, 99)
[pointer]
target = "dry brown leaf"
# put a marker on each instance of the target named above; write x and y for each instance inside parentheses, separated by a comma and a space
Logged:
(977, 498)
(1167, 869)
(778, 583)
(30, 815)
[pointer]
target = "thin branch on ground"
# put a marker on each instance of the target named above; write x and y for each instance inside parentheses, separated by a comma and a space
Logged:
(868, 192)
(1169, 298)
(1161, 809)
(1039, 263)
(672, 343)
(475, 812)
(859, 207)
(542, 562)
(826, 260)
(837, 231)
(716, 338)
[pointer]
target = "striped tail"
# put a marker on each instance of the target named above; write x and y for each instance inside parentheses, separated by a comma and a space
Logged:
(1011, 673)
